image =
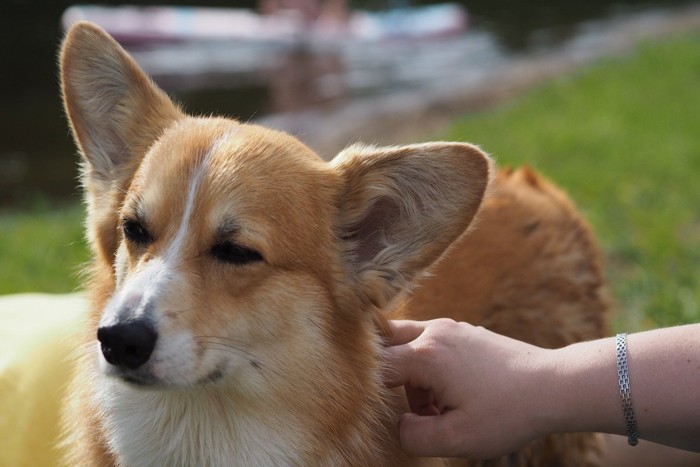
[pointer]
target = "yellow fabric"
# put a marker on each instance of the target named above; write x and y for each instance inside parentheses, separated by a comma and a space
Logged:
(37, 338)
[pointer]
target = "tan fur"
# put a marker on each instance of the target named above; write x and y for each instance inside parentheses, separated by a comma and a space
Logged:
(278, 360)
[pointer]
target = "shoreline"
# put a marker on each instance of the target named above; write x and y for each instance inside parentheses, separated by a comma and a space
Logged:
(412, 116)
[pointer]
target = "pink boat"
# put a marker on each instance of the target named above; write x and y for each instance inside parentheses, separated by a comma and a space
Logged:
(157, 24)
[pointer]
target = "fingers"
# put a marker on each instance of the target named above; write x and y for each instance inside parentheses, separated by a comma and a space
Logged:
(405, 331)
(398, 355)
(399, 370)
(406, 364)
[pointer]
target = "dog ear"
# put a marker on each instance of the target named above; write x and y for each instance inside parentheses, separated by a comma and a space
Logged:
(115, 113)
(403, 206)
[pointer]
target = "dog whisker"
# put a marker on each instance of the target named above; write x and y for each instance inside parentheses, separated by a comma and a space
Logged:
(227, 348)
(254, 361)
(222, 343)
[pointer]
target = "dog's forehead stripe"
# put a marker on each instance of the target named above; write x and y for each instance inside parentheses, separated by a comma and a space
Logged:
(193, 190)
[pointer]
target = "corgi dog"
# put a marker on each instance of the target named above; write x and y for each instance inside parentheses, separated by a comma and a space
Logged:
(240, 284)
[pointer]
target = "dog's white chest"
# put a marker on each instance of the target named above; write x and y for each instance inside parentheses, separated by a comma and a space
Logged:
(149, 428)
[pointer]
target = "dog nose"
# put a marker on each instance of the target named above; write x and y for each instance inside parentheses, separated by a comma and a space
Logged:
(128, 344)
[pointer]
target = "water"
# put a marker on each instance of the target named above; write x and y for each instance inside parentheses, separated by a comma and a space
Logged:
(37, 157)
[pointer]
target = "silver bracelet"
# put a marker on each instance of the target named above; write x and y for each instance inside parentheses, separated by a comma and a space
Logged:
(625, 393)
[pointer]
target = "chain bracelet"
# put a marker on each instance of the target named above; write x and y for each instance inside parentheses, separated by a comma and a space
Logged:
(625, 393)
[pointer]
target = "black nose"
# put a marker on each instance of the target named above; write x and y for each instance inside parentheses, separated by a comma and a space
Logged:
(127, 344)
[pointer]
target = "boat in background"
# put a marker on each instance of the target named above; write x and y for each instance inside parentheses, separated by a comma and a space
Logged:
(135, 26)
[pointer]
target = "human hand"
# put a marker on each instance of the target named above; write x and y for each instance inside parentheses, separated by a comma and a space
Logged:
(472, 392)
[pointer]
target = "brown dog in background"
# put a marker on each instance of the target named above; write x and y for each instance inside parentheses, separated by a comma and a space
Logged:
(240, 284)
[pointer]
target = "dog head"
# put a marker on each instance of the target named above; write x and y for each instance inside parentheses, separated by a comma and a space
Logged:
(229, 250)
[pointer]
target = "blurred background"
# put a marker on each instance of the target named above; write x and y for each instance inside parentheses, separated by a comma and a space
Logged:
(601, 96)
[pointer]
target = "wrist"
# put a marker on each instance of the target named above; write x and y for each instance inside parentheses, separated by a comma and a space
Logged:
(547, 392)
(584, 391)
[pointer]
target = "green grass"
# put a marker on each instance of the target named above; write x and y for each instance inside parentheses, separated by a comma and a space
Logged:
(42, 250)
(623, 138)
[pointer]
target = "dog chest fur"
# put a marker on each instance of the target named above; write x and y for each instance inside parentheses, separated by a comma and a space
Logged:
(193, 427)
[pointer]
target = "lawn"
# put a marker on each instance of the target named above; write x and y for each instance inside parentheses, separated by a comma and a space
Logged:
(622, 137)
(42, 250)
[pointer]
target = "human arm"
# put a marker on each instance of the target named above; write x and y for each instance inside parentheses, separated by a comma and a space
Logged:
(483, 395)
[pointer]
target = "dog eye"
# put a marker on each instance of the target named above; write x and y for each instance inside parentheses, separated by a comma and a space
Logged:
(228, 252)
(135, 232)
